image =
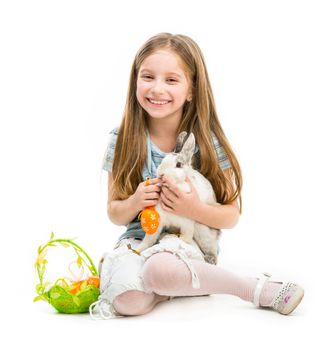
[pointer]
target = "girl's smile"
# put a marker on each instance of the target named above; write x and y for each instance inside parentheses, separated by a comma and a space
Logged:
(158, 103)
(162, 85)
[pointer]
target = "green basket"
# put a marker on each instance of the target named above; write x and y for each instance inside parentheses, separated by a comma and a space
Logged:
(66, 296)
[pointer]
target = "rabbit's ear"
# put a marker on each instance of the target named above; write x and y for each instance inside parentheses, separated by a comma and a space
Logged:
(180, 141)
(188, 149)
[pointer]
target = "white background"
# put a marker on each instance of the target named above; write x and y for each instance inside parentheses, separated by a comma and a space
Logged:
(63, 77)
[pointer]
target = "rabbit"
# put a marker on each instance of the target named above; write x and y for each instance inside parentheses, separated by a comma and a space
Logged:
(177, 166)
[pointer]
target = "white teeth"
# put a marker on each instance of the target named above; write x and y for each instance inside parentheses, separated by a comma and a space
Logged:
(158, 102)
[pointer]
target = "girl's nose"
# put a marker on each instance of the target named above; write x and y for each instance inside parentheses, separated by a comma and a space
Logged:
(158, 87)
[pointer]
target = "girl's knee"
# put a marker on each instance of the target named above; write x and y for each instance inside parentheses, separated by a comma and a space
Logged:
(133, 303)
(161, 271)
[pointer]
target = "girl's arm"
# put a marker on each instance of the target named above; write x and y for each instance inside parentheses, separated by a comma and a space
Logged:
(221, 216)
(122, 212)
(189, 205)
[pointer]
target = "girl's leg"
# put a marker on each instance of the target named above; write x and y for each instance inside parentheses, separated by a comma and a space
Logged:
(134, 302)
(166, 274)
(124, 294)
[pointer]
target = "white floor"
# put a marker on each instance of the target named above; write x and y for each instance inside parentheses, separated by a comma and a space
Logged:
(190, 323)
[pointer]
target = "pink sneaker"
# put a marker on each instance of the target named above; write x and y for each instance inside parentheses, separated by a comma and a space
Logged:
(285, 301)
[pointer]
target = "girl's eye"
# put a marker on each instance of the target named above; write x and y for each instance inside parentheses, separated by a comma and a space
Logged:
(146, 77)
(172, 80)
(178, 165)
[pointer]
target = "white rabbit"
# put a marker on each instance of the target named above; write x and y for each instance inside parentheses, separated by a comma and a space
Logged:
(177, 166)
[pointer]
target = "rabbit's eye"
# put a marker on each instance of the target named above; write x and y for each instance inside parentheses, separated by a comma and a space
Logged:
(178, 165)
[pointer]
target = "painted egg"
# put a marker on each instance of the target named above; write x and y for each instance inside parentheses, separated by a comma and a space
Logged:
(149, 220)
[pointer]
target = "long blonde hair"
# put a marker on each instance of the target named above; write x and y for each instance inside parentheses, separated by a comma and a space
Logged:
(199, 117)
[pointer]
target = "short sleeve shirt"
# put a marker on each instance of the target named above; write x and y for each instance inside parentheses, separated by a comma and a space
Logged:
(155, 157)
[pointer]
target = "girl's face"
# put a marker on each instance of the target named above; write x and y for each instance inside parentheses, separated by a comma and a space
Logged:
(162, 85)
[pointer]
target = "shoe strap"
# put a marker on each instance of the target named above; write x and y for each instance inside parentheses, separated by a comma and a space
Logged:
(259, 287)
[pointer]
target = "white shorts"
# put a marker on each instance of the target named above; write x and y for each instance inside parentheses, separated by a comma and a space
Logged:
(121, 268)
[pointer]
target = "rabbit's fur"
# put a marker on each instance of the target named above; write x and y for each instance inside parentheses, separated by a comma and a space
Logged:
(177, 166)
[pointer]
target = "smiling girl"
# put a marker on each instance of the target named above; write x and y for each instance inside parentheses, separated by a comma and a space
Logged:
(170, 92)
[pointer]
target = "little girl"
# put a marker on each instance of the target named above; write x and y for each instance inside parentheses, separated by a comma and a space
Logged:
(169, 92)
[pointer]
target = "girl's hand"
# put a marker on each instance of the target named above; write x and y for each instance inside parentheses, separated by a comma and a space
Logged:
(147, 196)
(175, 201)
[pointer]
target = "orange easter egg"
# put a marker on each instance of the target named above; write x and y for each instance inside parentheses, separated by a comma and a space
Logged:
(94, 280)
(76, 285)
(149, 220)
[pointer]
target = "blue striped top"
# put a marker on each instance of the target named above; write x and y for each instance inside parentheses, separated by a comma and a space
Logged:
(154, 158)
